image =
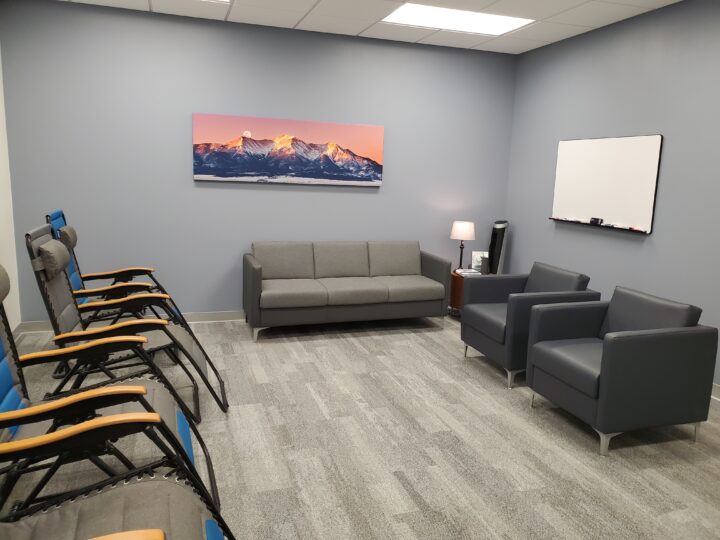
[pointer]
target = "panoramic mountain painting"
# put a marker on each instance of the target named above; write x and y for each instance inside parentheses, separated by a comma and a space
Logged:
(267, 150)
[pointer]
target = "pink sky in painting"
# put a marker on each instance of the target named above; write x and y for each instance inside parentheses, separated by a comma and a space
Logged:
(362, 139)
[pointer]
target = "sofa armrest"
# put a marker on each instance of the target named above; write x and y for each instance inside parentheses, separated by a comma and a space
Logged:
(252, 287)
(655, 378)
(518, 319)
(492, 289)
(437, 269)
(551, 322)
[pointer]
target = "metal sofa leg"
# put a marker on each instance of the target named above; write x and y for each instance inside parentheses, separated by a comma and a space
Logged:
(605, 441)
(696, 431)
(511, 377)
(466, 347)
(256, 332)
(532, 400)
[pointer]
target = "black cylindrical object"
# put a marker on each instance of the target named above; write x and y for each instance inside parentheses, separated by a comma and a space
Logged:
(497, 246)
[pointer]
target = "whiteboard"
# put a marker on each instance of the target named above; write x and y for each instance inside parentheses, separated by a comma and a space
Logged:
(609, 179)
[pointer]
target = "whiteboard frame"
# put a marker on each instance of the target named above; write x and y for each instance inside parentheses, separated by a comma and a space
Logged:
(613, 227)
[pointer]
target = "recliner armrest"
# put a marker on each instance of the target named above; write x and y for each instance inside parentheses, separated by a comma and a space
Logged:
(120, 274)
(656, 377)
(492, 289)
(437, 269)
(551, 322)
(252, 287)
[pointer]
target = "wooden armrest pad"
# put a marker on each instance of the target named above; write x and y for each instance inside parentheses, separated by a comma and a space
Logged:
(125, 325)
(56, 404)
(111, 273)
(67, 433)
(113, 288)
(70, 351)
(146, 534)
(119, 301)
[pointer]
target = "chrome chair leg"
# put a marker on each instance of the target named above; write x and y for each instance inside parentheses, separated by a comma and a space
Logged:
(532, 400)
(696, 431)
(605, 441)
(511, 377)
(466, 348)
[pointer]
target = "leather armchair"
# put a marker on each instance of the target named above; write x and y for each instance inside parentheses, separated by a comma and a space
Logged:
(495, 318)
(635, 362)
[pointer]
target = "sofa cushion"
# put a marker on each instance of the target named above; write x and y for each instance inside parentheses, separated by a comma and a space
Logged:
(285, 260)
(490, 319)
(341, 259)
(635, 310)
(546, 278)
(411, 288)
(576, 362)
(291, 293)
(394, 258)
(344, 291)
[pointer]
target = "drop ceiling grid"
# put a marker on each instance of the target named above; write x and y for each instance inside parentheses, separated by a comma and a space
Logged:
(555, 20)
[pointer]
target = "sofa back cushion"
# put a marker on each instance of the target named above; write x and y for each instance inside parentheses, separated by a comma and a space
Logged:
(285, 260)
(341, 259)
(634, 310)
(394, 258)
(546, 278)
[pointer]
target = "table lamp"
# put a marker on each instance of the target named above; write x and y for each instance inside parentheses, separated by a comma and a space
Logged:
(462, 230)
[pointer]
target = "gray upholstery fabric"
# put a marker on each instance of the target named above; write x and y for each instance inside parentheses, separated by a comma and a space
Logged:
(576, 362)
(437, 269)
(252, 288)
(492, 289)
(547, 278)
(565, 396)
(290, 293)
(490, 319)
(68, 237)
(394, 258)
(348, 291)
(411, 288)
(55, 257)
(341, 259)
(285, 260)
(635, 310)
(4, 284)
(148, 504)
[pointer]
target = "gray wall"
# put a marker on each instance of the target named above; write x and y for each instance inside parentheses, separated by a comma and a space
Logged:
(99, 105)
(658, 73)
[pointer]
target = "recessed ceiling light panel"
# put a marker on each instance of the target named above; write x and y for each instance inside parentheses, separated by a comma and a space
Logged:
(457, 20)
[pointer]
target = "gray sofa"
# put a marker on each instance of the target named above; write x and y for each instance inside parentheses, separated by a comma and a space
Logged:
(635, 362)
(290, 283)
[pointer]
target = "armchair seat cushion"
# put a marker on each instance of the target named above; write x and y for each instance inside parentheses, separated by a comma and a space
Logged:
(290, 293)
(576, 362)
(346, 291)
(490, 319)
(411, 288)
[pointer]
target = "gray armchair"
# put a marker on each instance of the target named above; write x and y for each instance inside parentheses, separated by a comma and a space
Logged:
(635, 362)
(496, 310)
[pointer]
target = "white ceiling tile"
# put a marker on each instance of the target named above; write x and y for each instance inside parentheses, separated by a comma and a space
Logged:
(510, 45)
(547, 31)
(364, 10)
(299, 6)
(143, 5)
(332, 25)
(652, 4)
(264, 16)
(469, 5)
(192, 8)
(397, 32)
(597, 14)
(445, 38)
(532, 9)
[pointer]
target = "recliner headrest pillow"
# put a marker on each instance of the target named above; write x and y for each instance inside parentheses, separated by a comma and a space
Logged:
(55, 257)
(68, 236)
(4, 284)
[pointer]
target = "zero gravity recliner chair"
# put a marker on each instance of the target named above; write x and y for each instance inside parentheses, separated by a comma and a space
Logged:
(50, 258)
(636, 362)
(38, 439)
(495, 318)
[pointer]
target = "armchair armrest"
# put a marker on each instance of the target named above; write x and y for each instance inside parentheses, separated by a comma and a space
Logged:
(518, 319)
(120, 274)
(114, 291)
(657, 377)
(134, 302)
(72, 406)
(125, 328)
(550, 322)
(96, 348)
(83, 435)
(146, 534)
(252, 287)
(437, 269)
(492, 289)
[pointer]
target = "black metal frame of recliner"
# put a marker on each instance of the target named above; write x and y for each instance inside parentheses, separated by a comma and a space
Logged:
(512, 353)
(133, 306)
(679, 393)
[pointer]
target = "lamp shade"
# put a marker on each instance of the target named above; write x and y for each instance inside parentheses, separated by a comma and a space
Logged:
(463, 230)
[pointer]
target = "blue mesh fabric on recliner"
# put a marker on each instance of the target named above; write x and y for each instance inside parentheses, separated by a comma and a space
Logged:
(57, 222)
